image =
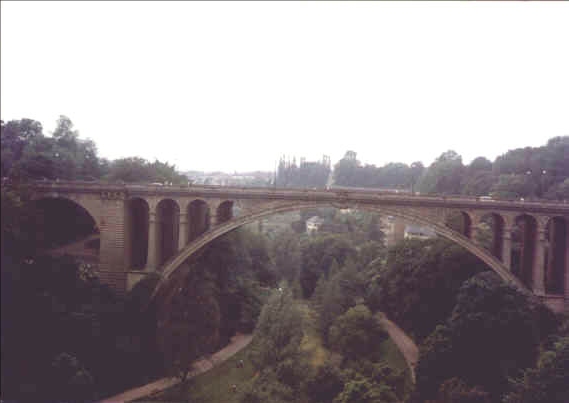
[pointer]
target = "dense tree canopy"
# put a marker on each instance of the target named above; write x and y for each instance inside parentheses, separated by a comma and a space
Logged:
(524, 172)
(491, 314)
(444, 175)
(28, 154)
(137, 169)
(82, 325)
(357, 333)
(341, 292)
(548, 381)
(276, 351)
(417, 288)
(317, 258)
(349, 172)
(477, 179)
(15, 135)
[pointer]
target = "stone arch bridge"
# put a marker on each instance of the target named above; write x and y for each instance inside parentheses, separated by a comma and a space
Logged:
(151, 228)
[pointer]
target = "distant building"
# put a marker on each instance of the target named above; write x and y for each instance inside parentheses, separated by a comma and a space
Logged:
(313, 224)
(397, 229)
(225, 179)
(419, 232)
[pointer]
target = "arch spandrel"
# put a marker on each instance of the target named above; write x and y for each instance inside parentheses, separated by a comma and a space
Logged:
(541, 221)
(509, 220)
(420, 216)
(152, 203)
(476, 216)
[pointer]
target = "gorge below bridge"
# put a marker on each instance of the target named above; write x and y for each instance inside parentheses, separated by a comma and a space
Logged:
(151, 228)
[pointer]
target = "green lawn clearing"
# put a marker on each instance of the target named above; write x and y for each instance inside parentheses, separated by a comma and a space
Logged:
(213, 386)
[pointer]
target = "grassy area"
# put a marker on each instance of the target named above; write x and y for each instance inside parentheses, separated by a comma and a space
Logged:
(311, 343)
(391, 354)
(213, 386)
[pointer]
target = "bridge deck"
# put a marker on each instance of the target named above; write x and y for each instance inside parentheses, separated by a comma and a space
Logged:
(359, 196)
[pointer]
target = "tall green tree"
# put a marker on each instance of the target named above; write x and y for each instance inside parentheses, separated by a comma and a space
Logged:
(514, 186)
(14, 136)
(477, 178)
(136, 169)
(542, 167)
(444, 175)
(357, 334)
(31, 155)
(343, 291)
(345, 171)
(285, 250)
(317, 258)
(279, 330)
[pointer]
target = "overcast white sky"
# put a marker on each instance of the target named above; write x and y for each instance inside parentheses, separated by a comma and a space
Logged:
(232, 86)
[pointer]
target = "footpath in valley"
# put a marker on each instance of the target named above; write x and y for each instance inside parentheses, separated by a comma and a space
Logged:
(238, 342)
(405, 344)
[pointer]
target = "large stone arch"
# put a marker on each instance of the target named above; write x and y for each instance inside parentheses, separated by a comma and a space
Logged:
(171, 266)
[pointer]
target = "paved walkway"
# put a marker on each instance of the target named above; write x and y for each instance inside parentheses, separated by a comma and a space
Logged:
(237, 342)
(405, 344)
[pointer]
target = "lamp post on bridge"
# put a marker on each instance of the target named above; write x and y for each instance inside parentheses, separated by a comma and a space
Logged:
(275, 177)
(541, 178)
(414, 166)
